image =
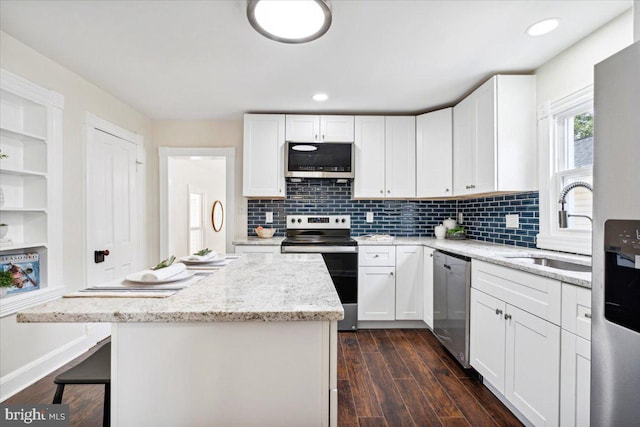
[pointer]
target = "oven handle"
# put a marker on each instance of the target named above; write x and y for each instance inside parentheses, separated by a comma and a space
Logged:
(319, 249)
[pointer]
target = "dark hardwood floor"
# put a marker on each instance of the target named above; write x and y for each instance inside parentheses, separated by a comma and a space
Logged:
(395, 377)
(387, 377)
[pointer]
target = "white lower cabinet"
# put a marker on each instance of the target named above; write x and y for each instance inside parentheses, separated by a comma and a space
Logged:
(515, 351)
(376, 293)
(427, 291)
(409, 286)
(575, 381)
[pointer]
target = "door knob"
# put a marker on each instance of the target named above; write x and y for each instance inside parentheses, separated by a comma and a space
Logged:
(98, 256)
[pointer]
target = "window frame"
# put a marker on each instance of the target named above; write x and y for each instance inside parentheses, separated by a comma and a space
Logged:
(552, 155)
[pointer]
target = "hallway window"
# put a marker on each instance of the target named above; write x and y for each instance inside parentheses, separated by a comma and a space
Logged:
(196, 221)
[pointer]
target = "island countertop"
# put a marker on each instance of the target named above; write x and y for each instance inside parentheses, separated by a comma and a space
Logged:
(256, 287)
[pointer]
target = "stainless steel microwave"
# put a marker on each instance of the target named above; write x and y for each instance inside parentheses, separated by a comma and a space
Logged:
(319, 160)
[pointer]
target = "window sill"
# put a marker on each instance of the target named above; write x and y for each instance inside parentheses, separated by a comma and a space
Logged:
(11, 304)
(578, 244)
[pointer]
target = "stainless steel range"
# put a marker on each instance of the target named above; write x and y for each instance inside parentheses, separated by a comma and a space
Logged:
(329, 235)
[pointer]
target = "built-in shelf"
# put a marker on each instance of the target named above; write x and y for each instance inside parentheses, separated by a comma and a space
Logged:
(22, 136)
(31, 137)
(22, 172)
(10, 209)
(23, 245)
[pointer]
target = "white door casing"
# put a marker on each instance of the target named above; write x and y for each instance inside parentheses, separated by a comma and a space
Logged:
(113, 200)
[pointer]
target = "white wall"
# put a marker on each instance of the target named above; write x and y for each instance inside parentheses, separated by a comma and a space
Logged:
(208, 174)
(636, 20)
(572, 69)
(25, 343)
(198, 133)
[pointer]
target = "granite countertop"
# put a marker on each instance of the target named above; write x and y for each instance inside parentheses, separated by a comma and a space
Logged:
(497, 254)
(257, 241)
(256, 287)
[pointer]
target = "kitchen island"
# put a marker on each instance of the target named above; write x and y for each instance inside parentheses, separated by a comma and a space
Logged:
(252, 345)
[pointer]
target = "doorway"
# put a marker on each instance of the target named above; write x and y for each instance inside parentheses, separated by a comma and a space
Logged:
(191, 181)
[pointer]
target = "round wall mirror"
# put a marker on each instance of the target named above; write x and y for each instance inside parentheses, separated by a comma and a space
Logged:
(217, 216)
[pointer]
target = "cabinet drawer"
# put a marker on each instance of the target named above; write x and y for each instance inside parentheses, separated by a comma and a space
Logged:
(576, 310)
(535, 294)
(377, 256)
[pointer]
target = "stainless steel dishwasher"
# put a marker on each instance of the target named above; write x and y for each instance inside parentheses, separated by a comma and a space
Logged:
(451, 299)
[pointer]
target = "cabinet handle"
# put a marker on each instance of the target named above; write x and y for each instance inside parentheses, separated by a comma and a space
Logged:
(467, 187)
(507, 317)
(323, 137)
(498, 311)
(446, 190)
(381, 191)
(431, 255)
(587, 315)
(376, 256)
(391, 273)
(315, 137)
(388, 191)
(472, 186)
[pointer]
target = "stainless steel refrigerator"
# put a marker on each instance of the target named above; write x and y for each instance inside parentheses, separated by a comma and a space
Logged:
(615, 339)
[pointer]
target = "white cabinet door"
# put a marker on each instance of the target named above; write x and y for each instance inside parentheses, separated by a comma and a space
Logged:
(484, 149)
(488, 339)
(532, 383)
(575, 381)
(336, 128)
(427, 291)
(400, 152)
(409, 282)
(303, 128)
(370, 157)
(263, 155)
(376, 293)
(434, 154)
(464, 140)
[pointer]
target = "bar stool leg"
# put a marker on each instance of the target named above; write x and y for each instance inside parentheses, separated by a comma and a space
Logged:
(57, 399)
(106, 418)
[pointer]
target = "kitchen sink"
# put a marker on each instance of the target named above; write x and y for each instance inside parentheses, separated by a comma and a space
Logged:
(553, 263)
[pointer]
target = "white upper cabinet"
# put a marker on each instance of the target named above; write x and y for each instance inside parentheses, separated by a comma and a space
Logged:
(400, 150)
(494, 137)
(369, 157)
(434, 154)
(313, 128)
(263, 155)
(385, 157)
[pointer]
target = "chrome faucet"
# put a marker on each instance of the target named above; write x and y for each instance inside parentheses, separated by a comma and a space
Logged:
(562, 214)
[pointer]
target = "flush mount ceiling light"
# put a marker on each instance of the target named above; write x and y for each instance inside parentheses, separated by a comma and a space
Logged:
(290, 21)
(320, 97)
(543, 27)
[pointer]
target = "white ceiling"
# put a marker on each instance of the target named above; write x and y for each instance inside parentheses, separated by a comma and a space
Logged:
(202, 59)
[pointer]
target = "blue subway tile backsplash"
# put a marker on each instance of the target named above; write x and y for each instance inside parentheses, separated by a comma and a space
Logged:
(484, 217)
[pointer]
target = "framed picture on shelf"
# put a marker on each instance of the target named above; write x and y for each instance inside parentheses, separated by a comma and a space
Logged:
(24, 270)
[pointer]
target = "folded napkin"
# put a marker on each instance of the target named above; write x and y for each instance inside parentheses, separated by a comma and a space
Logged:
(162, 273)
(207, 257)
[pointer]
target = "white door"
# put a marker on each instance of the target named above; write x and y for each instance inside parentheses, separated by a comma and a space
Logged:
(532, 364)
(409, 286)
(400, 150)
(487, 341)
(369, 161)
(111, 206)
(376, 293)
(575, 381)
(303, 128)
(336, 128)
(464, 139)
(434, 154)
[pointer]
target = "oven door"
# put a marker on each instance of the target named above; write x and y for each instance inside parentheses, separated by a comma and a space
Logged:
(343, 268)
(319, 160)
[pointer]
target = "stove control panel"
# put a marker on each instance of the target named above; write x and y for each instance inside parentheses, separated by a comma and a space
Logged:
(323, 222)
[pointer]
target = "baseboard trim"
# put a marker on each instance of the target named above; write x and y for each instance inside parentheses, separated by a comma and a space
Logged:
(28, 374)
(391, 324)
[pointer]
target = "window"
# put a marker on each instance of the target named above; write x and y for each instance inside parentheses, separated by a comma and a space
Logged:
(566, 139)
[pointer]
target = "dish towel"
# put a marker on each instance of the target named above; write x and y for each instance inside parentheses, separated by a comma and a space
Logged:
(210, 255)
(163, 273)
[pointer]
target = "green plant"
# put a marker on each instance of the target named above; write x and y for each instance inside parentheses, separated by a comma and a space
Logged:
(456, 230)
(165, 263)
(6, 280)
(203, 252)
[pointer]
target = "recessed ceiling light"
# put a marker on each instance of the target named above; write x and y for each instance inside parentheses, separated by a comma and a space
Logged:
(290, 21)
(543, 27)
(320, 97)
